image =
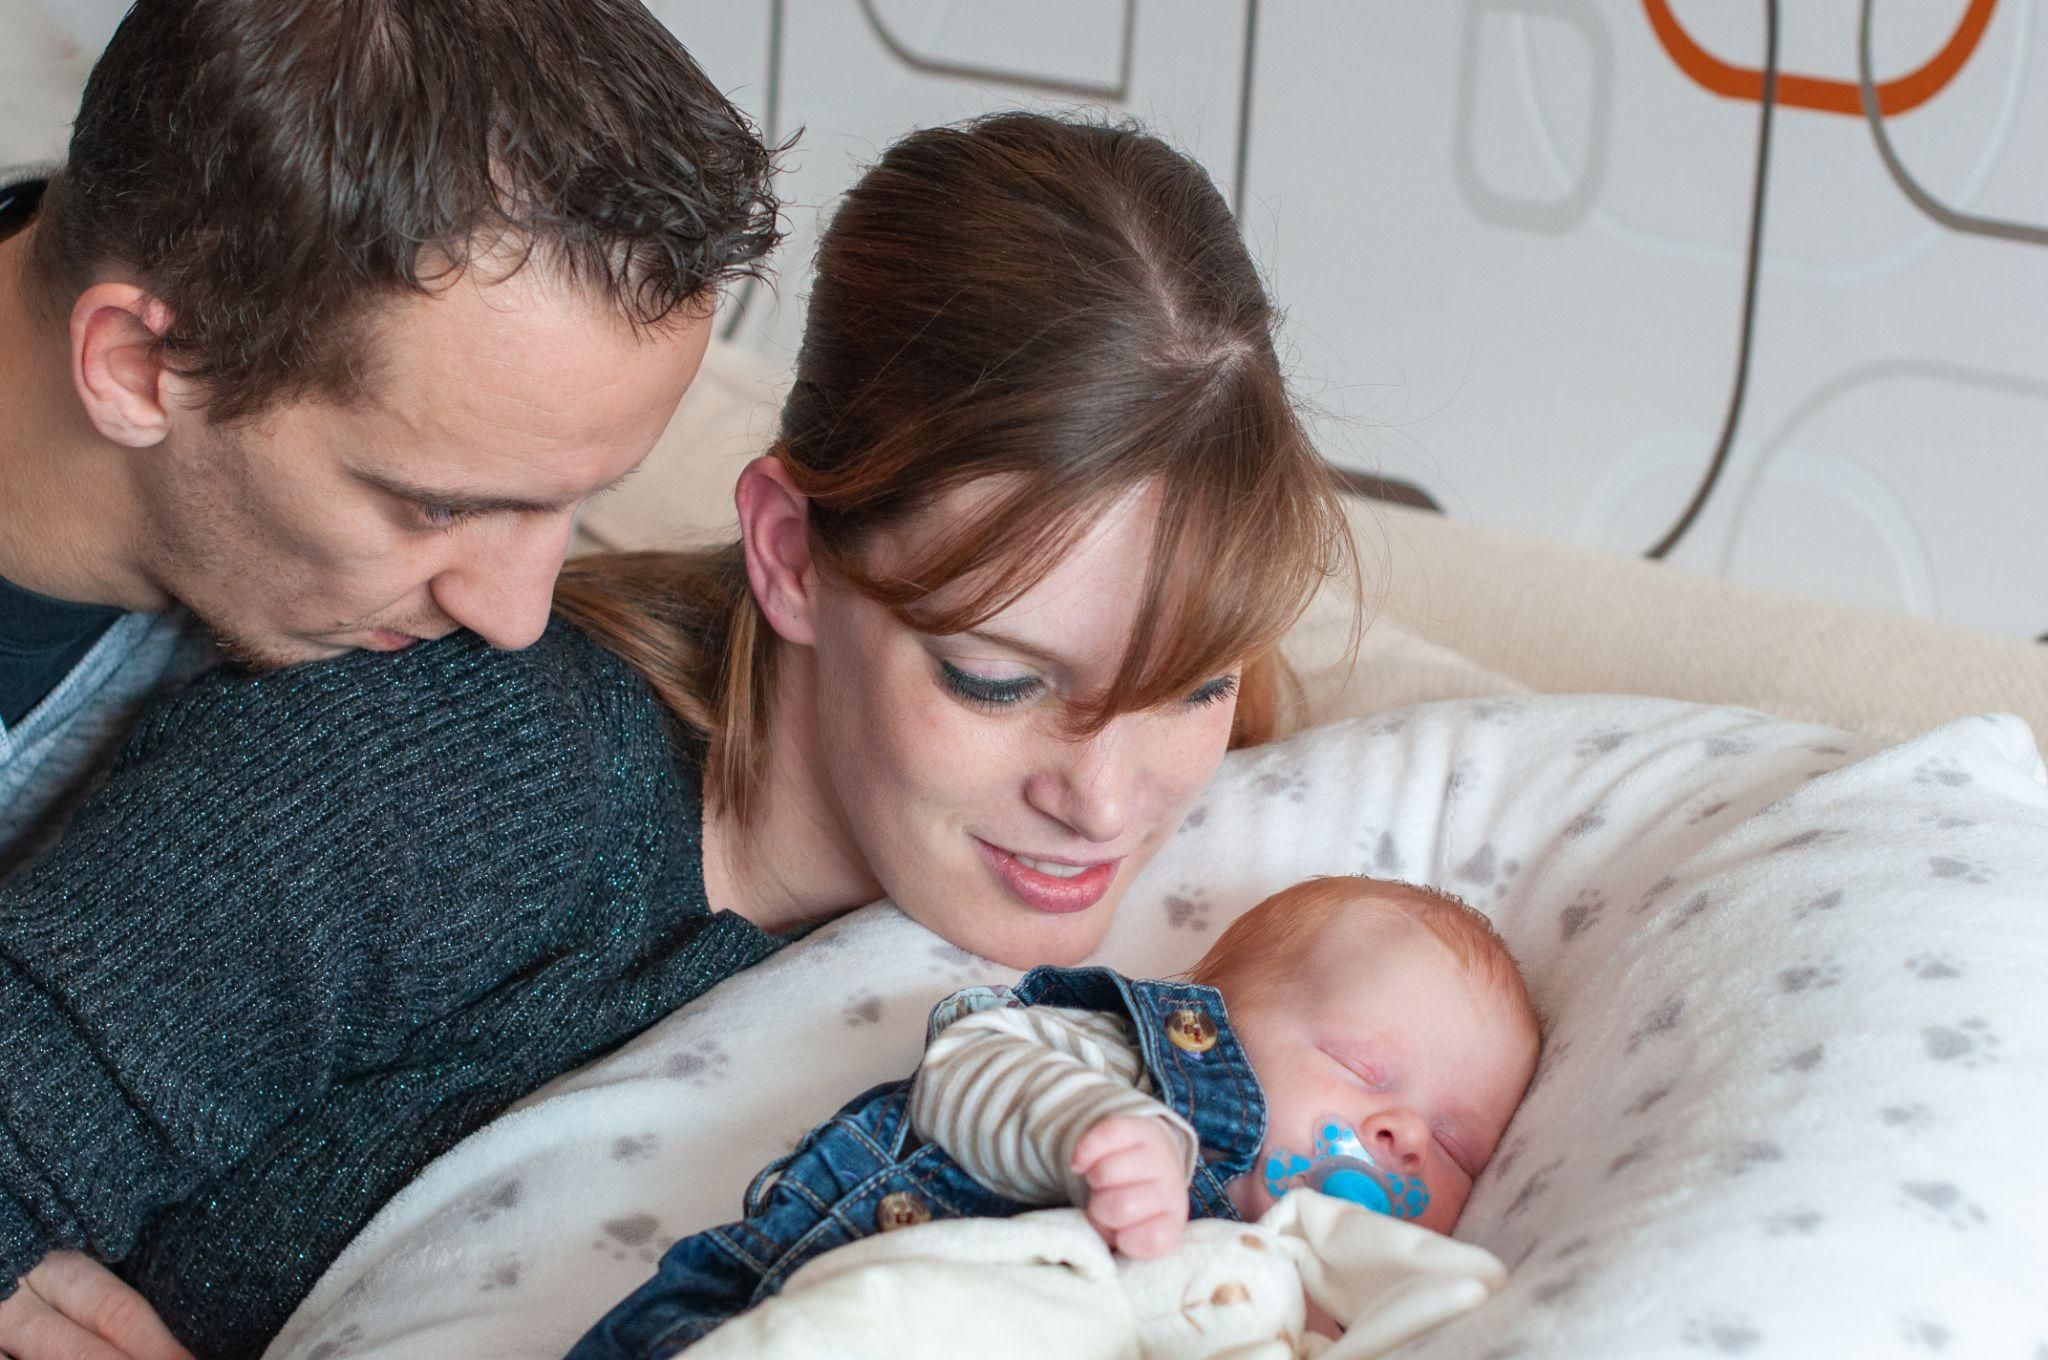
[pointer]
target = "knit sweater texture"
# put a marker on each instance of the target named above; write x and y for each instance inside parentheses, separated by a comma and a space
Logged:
(316, 927)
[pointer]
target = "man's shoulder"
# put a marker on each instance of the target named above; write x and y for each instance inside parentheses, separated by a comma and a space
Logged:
(31, 172)
(53, 760)
(26, 180)
(21, 193)
(456, 757)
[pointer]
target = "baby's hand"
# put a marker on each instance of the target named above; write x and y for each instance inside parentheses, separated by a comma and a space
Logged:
(1137, 1174)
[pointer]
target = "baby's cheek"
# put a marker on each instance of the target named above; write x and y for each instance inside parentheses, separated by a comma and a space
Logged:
(1248, 1195)
(1448, 1190)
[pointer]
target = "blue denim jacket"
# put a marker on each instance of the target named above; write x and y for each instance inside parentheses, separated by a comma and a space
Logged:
(865, 1171)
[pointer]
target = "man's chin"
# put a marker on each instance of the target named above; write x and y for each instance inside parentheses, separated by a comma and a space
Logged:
(263, 654)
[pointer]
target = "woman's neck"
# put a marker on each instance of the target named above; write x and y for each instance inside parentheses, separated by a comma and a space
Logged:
(795, 862)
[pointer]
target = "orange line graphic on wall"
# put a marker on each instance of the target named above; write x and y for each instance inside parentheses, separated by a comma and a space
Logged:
(1895, 96)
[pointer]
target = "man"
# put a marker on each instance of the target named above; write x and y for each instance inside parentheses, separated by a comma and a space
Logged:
(333, 316)
(269, 356)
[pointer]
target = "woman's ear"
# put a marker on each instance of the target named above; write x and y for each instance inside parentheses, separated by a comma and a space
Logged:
(117, 363)
(775, 522)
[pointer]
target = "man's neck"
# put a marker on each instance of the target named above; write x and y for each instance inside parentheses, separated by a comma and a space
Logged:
(68, 513)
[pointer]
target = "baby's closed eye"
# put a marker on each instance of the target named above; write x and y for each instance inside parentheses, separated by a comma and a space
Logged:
(1460, 1155)
(1362, 1067)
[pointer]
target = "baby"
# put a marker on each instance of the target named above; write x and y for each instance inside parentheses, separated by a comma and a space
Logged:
(1371, 1039)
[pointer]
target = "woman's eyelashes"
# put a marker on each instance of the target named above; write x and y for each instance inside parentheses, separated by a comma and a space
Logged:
(983, 692)
(993, 694)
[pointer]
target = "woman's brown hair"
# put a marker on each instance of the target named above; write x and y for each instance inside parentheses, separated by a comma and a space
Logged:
(1062, 305)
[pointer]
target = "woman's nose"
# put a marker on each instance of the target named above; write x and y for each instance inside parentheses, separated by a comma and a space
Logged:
(1085, 787)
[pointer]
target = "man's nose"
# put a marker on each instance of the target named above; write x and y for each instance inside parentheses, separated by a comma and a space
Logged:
(502, 590)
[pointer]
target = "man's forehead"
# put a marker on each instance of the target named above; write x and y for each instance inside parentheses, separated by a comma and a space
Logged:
(548, 353)
(545, 406)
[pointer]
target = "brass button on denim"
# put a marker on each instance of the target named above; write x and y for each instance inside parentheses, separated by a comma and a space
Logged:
(1191, 1030)
(900, 1210)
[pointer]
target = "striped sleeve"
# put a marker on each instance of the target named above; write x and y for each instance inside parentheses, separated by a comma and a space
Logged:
(1009, 1092)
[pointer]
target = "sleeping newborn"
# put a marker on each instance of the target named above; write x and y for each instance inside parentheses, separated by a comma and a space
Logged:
(1367, 1039)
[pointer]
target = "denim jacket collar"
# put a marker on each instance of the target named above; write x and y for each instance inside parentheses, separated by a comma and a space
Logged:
(1214, 1089)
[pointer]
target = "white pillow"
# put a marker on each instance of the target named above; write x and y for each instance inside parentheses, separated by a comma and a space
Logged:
(1796, 1068)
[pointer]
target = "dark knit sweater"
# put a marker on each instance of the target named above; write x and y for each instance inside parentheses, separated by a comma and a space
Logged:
(317, 926)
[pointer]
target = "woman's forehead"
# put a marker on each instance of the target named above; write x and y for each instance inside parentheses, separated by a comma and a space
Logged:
(1080, 613)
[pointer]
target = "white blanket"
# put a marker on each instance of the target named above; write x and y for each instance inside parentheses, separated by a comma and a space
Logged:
(1795, 1077)
(1042, 1286)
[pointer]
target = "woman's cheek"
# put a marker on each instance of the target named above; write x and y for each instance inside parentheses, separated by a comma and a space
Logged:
(947, 754)
(1189, 759)
(907, 715)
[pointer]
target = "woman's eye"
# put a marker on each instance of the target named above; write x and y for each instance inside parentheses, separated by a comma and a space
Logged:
(986, 693)
(1215, 692)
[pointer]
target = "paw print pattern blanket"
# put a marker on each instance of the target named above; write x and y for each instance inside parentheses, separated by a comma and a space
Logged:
(1790, 1104)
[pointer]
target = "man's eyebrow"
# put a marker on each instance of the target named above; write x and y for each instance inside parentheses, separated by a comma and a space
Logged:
(469, 503)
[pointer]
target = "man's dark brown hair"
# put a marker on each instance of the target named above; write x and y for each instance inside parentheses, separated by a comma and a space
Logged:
(271, 169)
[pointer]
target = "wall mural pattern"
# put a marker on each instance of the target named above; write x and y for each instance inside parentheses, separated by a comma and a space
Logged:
(1559, 264)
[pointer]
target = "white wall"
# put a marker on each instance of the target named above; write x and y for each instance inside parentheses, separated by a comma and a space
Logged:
(1510, 236)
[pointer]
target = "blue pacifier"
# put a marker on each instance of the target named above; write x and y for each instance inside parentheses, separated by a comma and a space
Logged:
(1343, 1169)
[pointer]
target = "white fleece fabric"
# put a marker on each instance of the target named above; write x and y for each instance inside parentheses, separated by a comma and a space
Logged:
(1794, 1083)
(1042, 1286)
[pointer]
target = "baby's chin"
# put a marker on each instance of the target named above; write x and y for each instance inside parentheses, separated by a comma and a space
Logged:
(1248, 1197)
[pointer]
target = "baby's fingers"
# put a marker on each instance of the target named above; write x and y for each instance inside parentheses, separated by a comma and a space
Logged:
(1130, 1165)
(1154, 1237)
(1106, 1138)
(1124, 1206)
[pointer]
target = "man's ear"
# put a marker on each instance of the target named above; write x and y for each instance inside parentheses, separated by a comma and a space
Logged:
(775, 532)
(117, 364)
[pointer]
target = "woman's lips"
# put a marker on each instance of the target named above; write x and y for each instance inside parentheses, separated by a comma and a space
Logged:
(1049, 892)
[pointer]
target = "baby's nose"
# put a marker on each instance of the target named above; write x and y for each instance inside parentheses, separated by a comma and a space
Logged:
(1396, 1140)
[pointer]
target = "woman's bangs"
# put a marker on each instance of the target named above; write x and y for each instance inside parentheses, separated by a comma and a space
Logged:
(966, 575)
(1227, 580)
(1245, 533)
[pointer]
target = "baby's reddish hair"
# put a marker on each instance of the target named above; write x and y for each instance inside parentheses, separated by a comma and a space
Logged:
(1260, 950)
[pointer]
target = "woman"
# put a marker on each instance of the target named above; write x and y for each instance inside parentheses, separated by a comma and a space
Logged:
(1007, 586)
